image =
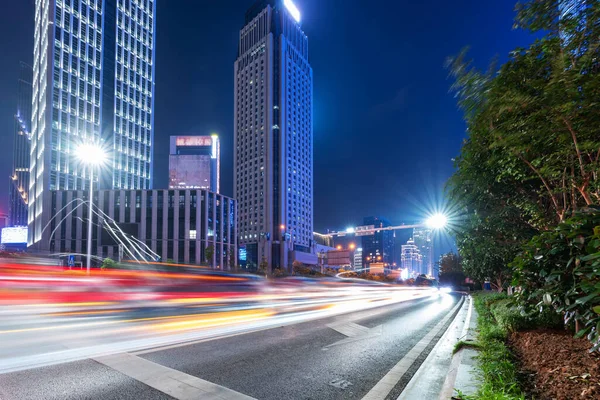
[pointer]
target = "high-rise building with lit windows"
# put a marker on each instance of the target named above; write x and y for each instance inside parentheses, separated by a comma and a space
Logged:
(19, 180)
(273, 129)
(93, 82)
(423, 239)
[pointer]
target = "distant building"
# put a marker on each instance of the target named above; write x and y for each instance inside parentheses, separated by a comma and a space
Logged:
(19, 181)
(423, 239)
(411, 259)
(358, 254)
(176, 225)
(379, 247)
(323, 240)
(273, 135)
(339, 258)
(194, 163)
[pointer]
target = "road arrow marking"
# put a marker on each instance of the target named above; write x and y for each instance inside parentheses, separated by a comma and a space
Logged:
(354, 332)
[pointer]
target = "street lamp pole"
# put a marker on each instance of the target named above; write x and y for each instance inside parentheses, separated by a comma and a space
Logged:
(90, 205)
(91, 154)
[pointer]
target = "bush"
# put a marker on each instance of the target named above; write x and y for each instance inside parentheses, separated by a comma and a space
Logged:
(279, 273)
(559, 271)
(108, 263)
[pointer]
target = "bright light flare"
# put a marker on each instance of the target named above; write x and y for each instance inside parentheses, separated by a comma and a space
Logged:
(91, 154)
(292, 9)
(437, 221)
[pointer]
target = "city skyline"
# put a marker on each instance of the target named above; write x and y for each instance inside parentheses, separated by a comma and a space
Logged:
(204, 106)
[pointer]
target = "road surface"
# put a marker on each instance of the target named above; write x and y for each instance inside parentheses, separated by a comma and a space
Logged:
(327, 346)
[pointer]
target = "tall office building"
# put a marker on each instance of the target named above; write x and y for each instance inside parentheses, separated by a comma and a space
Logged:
(273, 133)
(195, 162)
(423, 239)
(379, 247)
(93, 82)
(411, 259)
(19, 181)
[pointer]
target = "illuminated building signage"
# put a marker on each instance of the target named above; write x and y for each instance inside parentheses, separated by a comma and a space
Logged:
(194, 141)
(17, 235)
(242, 254)
(292, 9)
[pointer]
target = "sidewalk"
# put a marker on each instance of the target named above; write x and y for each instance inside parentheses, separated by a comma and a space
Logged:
(442, 372)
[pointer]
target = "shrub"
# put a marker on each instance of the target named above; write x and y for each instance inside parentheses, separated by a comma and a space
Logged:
(108, 263)
(560, 271)
(278, 272)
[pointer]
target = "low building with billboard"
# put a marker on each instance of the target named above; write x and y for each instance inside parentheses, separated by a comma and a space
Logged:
(194, 163)
(152, 225)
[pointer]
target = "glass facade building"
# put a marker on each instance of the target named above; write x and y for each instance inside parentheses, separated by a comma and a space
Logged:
(195, 163)
(423, 239)
(379, 247)
(19, 181)
(93, 82)
(273, 134)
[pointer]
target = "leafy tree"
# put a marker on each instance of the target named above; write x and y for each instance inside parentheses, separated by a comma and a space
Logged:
(533, 153)
(209, 253)
(538, 114)
(451, 272)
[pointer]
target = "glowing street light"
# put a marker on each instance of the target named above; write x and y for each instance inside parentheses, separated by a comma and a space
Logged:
(352, 246)
(339, 247)
(93, 155)
(437, 221)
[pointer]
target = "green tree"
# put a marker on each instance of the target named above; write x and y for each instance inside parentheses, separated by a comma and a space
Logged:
(538, 113)
(533, 153)
(209, 253)
(451, 272)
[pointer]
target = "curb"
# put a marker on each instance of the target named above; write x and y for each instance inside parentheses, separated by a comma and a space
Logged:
(463, 374)
(429, 380)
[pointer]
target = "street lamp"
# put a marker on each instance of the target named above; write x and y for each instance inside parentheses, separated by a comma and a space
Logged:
(93, 155)
(352, 246)
(437, 221)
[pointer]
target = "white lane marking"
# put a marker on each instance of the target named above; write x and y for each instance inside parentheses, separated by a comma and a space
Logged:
(349, 329)
(172, 382)
(354, 332)
(387, 383)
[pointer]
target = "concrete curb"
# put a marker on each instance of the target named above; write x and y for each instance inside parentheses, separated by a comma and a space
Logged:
(462, 374)
(428, 382)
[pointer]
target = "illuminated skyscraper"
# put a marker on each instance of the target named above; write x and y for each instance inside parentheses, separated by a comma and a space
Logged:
(195, 162)
(411, 258)
(93, 82)
(423, 239)
(19, 181)
(273, 129)
(379, 247)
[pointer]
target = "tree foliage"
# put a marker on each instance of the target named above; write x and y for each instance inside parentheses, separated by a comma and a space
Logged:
(532, 156)
(560, 269)
(451, 271)
(209, 253)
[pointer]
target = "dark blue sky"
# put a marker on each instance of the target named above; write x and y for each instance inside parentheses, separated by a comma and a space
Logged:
(386, 127)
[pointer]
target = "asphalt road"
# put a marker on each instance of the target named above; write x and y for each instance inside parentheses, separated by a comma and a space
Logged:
(341, 357)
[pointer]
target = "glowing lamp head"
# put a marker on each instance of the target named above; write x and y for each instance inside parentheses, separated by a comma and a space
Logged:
(349, 230)
(437, 221)
(352, 246)
(291, 7)
(339, 247)
(91, 154)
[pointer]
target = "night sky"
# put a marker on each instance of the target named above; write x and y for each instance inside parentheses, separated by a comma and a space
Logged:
(385, 126)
